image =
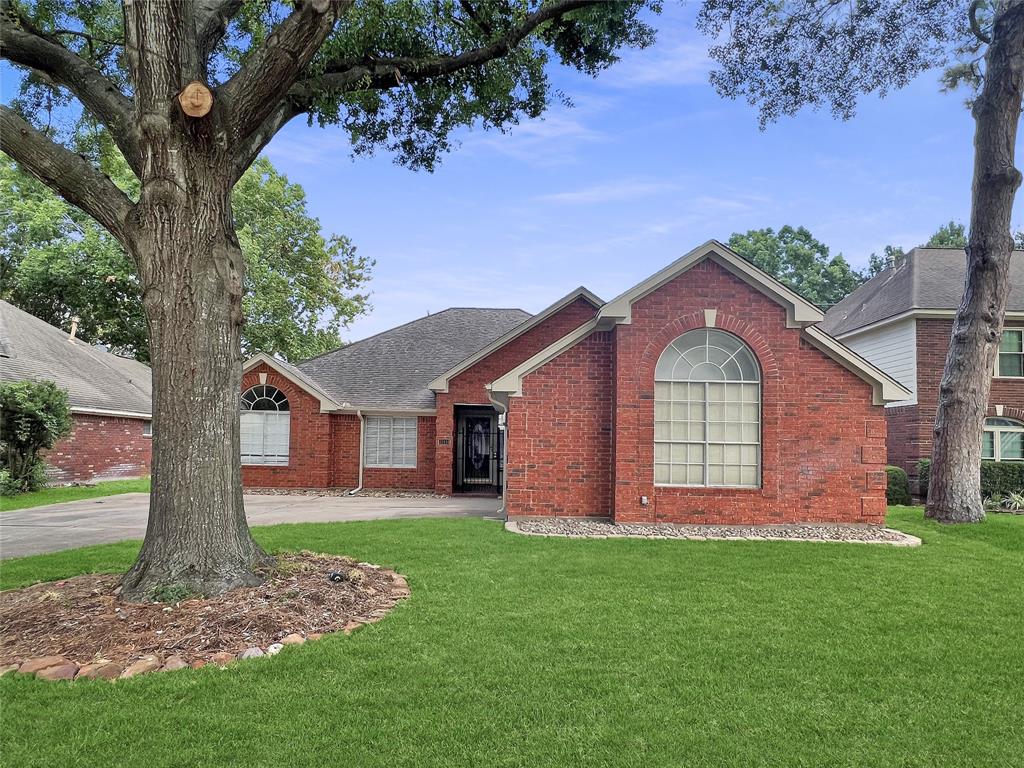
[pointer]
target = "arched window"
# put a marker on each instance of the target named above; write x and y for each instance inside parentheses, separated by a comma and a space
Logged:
(707, 412)
(266, 424)
(1003, 440)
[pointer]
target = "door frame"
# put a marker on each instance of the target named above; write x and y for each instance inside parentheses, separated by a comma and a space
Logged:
(493, 483)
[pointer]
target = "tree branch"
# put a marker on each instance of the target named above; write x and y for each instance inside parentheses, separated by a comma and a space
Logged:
(348, 75)
(73, 177)
(212, 17)
(23, 44)
(972, 16)
(258, 88)
(249, 149)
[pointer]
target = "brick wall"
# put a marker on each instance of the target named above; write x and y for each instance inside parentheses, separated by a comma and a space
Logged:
(560, 443)
(911, 426)
(823, 442)
(101, 448)
(468, 387)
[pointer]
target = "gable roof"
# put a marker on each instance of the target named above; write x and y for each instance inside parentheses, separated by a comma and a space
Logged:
(440, 384)
(928, 279)
(95, 380)
(800, 313)
(394, 369)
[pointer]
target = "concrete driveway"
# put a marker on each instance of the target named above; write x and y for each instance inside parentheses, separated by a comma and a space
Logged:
(115, 518)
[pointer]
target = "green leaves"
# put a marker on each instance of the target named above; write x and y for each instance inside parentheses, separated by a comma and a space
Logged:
(36, 415)
(795, 257)
(301, 287)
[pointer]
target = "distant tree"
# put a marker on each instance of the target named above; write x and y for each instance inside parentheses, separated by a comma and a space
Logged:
(798, 259)
(58, 263)
(784, 56)
(892, 256)
(36, 415)
(951, 235)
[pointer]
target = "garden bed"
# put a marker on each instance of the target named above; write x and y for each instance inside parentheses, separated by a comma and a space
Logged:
(82, 623)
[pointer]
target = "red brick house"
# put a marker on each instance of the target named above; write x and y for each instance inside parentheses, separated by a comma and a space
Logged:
(110, 398)
(901, 320)
(705, 393)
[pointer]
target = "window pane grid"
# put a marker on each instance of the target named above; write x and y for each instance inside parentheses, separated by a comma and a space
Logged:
(1011, 353)
(707, 412)
(1003, 440)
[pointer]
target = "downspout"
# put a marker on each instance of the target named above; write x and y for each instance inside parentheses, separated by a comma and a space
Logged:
(502, 410)
(362, 436)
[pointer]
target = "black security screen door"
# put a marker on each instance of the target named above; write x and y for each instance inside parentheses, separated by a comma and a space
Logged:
(478, 455)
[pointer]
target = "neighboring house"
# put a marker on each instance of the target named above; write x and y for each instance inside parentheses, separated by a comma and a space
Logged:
(109, 396)
(902, 319)
(705, 393)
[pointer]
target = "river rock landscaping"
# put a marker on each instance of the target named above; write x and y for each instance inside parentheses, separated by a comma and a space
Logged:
(603, 529)
(79, 628)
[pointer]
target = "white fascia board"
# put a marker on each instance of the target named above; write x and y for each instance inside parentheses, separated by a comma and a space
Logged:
(885, 388)
(87, 411)
(926, 314)
(511, 383)
(327, 404)
(799, 311)
(395, 411)
(440, 384)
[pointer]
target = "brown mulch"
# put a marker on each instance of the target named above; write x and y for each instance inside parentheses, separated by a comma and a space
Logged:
(82, 618)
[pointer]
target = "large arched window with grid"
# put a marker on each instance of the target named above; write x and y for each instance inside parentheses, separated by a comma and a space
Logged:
(707, 412)
(266, 425)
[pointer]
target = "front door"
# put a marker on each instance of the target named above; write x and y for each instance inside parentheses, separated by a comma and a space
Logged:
(478, 452)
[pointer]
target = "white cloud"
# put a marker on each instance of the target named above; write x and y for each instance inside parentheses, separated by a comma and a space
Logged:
(679, 62)
(626, 189)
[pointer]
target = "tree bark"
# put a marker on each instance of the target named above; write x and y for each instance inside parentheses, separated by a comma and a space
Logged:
(192, 270)
(954, 492)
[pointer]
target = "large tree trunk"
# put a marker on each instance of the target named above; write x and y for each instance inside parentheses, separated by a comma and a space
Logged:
(197, 537)
(954, 490)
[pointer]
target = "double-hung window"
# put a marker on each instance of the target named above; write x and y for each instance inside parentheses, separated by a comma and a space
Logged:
(390, 441)
(1011, 353)
(265, 426)
(1002, 440)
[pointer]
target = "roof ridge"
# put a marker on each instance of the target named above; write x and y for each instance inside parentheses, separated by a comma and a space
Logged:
(351, 344)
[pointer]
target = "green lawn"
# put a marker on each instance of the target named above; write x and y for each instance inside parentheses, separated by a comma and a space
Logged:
(522, 651)
(61, 494)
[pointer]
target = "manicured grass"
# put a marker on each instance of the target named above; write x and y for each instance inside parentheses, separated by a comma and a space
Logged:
(59, 494)
(521, 651)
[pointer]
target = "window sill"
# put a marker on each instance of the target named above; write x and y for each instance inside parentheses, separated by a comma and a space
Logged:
(710, 487)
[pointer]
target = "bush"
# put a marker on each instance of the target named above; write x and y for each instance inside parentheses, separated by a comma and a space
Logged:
(35, 416)
(897, 486)
(998, 478)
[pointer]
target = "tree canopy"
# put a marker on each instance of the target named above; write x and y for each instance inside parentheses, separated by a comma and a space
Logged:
(300, 287)
(795, 257)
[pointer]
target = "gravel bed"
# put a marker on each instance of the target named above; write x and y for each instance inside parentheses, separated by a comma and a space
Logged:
(600, 529)
(377, 493)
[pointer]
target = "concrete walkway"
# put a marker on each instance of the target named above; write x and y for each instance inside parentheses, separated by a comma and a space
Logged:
(115, 518)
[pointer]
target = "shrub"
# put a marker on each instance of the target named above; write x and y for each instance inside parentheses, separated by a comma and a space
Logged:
(897, 486)
(35, 416)
(998, 478)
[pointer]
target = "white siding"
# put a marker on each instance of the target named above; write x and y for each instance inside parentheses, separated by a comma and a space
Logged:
(893, 348)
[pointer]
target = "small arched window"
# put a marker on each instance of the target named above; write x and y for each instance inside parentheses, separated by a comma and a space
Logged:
(1002, 440)
(265, 426)
(707, 412)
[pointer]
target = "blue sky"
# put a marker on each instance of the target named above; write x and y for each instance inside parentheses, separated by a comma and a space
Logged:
(649, 163)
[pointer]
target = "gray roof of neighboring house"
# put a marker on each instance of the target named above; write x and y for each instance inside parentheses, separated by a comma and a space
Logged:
(393, 369)
(929, 278)
(93, 378)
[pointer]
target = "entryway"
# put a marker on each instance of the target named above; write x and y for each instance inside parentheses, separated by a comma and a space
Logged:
(479, 462)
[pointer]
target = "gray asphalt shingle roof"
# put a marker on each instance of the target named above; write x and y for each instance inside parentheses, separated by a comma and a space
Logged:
(393, 369)
(930, 278)
(32, 349)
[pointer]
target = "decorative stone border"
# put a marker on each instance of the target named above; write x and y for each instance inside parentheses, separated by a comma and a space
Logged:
(61, 668)
(814, 532)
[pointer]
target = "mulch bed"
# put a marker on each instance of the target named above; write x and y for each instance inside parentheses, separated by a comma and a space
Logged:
(82, 619)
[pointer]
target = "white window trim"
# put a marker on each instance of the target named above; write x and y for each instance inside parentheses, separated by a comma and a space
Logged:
(996, 442)
(391, 448)
(996, 374)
